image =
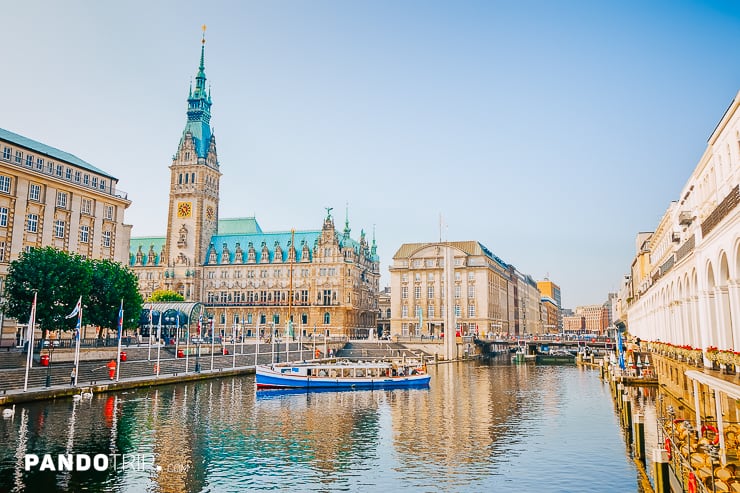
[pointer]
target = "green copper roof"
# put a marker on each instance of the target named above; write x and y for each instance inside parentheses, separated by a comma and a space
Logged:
(270, 240)
(51, 152)
(199, 110)
(146, 244)
(238, 226)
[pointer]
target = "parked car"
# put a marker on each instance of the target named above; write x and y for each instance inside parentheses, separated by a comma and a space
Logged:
(54, 343)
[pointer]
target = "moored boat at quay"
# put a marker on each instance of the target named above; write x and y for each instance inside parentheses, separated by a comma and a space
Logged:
(341, 375)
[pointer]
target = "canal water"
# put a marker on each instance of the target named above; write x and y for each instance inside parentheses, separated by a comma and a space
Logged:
(479, 427)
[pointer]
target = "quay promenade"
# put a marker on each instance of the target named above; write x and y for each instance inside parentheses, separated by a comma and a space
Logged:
(140, 367)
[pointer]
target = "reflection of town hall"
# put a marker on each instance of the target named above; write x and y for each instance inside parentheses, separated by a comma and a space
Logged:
(322, 279)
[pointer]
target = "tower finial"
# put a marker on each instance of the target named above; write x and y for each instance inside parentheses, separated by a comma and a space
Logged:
(346, 220)
(203, 39)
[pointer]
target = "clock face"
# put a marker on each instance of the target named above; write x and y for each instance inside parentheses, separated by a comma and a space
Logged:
(184, 209)
(209, 212)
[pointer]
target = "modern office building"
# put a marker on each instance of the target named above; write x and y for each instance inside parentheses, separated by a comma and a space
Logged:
(551, 290)
(488, 296)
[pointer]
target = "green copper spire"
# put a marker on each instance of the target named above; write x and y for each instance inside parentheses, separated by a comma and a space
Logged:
(346, 222)
(374, 248)
(199, 107)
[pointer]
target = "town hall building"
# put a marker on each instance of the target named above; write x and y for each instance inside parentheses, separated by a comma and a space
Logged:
(322, 280)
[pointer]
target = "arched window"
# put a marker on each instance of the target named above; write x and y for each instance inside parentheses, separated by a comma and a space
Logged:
(327, 318)
(186, 178)
(263, 318)
(179, 179)
(304, 318)
(276, 318)
(192, 178)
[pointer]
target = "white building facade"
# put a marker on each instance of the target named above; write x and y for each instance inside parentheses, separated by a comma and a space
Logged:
(690, 294)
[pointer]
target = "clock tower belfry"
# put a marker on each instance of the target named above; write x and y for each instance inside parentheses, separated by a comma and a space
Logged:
(194, 192)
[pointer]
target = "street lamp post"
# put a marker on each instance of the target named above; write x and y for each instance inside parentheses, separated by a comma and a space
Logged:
(48, 368)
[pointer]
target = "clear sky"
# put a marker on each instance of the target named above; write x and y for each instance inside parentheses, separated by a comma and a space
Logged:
(552, 132)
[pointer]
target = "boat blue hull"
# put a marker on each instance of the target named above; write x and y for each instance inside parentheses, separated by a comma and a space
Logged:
(269, 381)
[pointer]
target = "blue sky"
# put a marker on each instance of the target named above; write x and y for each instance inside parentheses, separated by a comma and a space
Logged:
(552, 132)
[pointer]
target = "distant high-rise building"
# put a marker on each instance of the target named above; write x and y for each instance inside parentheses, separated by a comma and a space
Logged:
(596, 316)
(551, 290)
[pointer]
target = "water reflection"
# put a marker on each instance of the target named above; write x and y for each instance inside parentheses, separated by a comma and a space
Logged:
(533, 428)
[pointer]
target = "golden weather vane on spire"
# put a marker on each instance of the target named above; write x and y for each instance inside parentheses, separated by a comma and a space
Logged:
(203, 40)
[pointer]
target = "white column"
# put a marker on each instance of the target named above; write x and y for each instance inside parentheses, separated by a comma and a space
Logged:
(733, 295)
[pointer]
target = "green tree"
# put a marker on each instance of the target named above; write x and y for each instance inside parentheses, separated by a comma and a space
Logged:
(166, 295)
(112, 282)
(58, 277)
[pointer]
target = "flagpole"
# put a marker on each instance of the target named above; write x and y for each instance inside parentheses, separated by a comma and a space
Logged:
(257, 346)
(151, 309)
(187, 344)
(213, 325)
(29, 337)
(77, 349)
(159, 340)
(120, 332)
(177, 333)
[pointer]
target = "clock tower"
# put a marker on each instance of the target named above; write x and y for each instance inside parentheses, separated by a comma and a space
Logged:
(194, 192)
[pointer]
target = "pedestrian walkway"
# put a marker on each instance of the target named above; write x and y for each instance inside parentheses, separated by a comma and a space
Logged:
(54, 380)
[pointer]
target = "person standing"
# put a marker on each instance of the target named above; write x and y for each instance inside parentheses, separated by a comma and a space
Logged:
(72, 377)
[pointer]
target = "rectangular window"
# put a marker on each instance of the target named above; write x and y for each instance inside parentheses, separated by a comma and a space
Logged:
(32, 223)
(6, 153)
(62, 200)
(18, 157)
(84, 234)
(430, 277)
(457, 310)
(102, 184)
(404, 278)
(86, 206)
(95, 182)
(86, 179)
(50, 167)
(457, 291)
(59, 229)
(404, 292)
(40, 164)
(3, 217)
(60, 170)
(34, 192)
(68, 173)
(2, 251)
(29, 160)
(106, 239)
(471, 276)
(471, 291)
(404, 329)
(77, 176)
(4, 184)
(108, 212)
(430, 292)
(417, 292)
(471, 310)
(404, 311)
(430, 311)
